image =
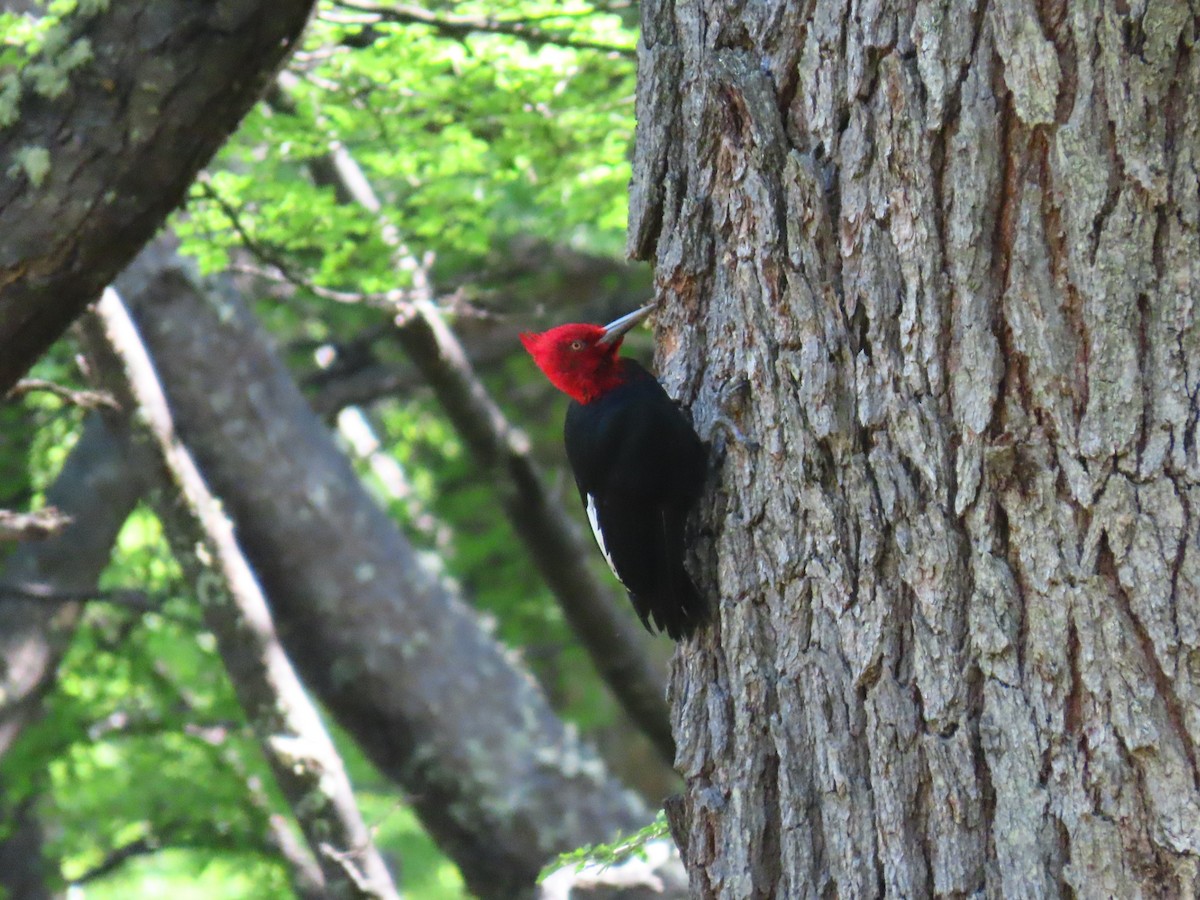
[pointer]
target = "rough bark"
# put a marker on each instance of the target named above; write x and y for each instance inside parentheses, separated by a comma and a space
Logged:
(289, 730)
(100, 137)
(942, 263)
(393, 653)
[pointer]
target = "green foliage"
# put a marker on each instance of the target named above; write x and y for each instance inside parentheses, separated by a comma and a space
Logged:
(466, 142)
(144, 739)
(613, 854)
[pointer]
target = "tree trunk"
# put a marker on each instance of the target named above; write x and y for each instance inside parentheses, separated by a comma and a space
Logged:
(941, 264)
(100, 136)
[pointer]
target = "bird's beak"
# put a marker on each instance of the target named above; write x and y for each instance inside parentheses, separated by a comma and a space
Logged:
(614, 331)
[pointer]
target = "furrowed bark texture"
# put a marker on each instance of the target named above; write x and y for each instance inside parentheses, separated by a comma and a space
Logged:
(391, 650)
(940, 261)
(100, 137)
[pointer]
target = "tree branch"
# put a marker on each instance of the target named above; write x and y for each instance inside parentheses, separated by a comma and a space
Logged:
(117, 857)
(32, 526)
(101, 150)
(82, 399)
(393, 652)
(285, 273)
(98, 486)
(288, 728)
(138, 601)
(460, 26)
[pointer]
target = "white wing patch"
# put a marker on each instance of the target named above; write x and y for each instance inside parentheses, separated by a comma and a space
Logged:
(593, 515)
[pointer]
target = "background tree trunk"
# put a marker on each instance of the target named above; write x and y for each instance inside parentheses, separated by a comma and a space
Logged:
(941, 263)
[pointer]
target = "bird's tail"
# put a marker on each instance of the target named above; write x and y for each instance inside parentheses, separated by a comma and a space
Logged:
(676, 607)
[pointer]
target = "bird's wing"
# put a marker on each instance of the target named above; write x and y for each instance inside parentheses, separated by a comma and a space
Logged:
(591, 504)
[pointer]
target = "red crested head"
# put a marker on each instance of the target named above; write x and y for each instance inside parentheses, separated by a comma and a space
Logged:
(575, 361)
(581, 360)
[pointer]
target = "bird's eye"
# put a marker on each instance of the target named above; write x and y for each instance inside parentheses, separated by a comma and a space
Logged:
(576, 345)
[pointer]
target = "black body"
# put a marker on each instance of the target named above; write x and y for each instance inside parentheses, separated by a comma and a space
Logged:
(637, 458)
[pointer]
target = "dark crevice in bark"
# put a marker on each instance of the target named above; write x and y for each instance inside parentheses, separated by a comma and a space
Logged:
(1073, 709)
(1181, 494)
(1151, 862)
(769, 853)
(1115, 169)
(1005, 552)
(983, 774)
(1063, 835)
(938, 161)
(861, 694)
(875, 57)
(785, 95)
(923, 817)
(1133, 35)
(1174, 112)
(1058, 254)
(953, 104)
(1145, 375)
(1011, 143)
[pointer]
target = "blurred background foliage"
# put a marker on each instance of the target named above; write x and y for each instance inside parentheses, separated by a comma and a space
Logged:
(496, 136)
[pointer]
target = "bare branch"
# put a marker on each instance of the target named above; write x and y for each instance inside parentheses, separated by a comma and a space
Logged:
(460, 26)
(83, 399)
(281, 270)
(32, 526)
(98, 485)
(170, 837)
(114, 859)
(138, 601)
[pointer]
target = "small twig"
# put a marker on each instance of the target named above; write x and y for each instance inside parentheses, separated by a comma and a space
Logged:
(459, 26)
(280, 270)
(172, 835)
(138, 601)
(116, 858)
(396, 297)
(32, 526)
(84, 399)
(346, 860)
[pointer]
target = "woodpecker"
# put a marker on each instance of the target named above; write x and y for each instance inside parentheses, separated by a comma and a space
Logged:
(638, 464)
